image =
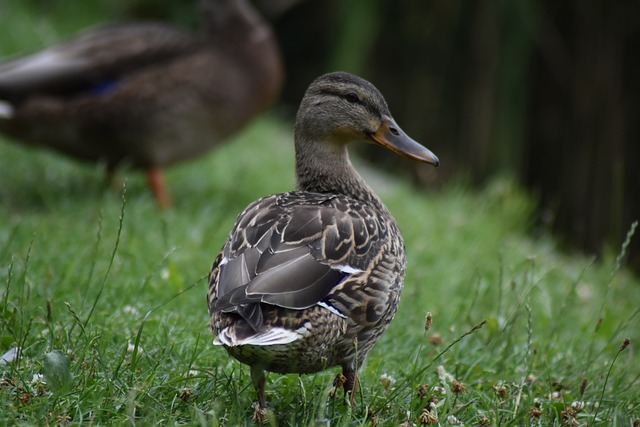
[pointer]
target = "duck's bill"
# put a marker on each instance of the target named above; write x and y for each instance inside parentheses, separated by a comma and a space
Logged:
(390, 136)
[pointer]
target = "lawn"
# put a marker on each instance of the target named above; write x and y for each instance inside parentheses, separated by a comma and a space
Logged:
(98, 278)
(103, 317)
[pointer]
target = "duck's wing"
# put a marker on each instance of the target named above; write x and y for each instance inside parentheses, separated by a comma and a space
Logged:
(93, 57)
(291, 250)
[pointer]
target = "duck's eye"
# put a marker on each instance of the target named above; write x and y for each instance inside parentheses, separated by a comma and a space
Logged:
(352, 97)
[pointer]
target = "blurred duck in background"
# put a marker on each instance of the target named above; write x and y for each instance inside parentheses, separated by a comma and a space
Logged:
(144, 95)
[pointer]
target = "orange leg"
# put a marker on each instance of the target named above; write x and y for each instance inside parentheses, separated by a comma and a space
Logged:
(112, 179)
(155, 178)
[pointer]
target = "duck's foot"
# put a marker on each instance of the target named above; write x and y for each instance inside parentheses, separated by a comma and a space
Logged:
(339, 380)
(262, 413)
(263, 410)
(348, 380)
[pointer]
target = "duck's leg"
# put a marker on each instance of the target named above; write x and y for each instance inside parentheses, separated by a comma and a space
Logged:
(351, 383)
(111, 178)
(259, 379)
(261, 407)
(155, 178)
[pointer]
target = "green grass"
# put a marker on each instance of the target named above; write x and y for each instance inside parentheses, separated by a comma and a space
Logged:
(119, 288)
(106, 298)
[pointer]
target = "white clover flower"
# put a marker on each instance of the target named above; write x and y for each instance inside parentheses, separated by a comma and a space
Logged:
(438, 389)
(129, 309)
(38, 379)
(443, 374)
(451, 419)
(131, 348)
(387, 380)
(578, 405)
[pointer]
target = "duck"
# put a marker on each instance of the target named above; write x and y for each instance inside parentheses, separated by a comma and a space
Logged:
(310, 279)
(145, 95)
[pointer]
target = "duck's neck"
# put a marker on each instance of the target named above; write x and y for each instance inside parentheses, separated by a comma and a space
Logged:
(326, 168)
(235, 30)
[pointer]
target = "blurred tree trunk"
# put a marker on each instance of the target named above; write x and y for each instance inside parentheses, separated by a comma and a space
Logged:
(581, 160)
(475, 148)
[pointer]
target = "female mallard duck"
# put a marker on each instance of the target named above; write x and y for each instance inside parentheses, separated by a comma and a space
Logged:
(145, 95)
(310, 279)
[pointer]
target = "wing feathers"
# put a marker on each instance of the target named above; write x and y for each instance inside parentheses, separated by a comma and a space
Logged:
(280, 259)
(291, 250)
(46, 66)
(272, 336)
(232, 272)
(93, 57)
(298, 283)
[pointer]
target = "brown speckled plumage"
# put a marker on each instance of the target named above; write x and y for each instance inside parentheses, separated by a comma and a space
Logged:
(144, 95)
(310, 279)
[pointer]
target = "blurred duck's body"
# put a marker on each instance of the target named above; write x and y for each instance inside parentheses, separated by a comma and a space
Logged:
(144, 95)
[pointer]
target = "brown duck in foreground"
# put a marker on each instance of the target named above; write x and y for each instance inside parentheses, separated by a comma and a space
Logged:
(144, 95)
(310, 279)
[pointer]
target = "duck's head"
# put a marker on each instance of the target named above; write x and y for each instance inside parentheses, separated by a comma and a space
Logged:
(339, 108)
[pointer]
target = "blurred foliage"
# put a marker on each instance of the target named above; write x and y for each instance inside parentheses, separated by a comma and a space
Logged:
(540, 90)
